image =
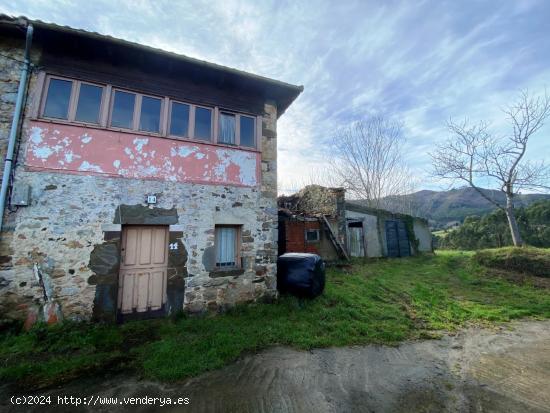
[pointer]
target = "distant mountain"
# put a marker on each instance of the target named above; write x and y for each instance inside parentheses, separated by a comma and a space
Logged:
(443, 208)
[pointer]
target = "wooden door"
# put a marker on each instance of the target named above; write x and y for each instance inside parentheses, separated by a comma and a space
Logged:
(144, 262)
(404, 247)
(397, 240)
(392, 239)
(355, 241)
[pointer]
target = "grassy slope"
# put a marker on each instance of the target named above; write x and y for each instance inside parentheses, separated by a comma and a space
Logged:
(380, 301)
(529, 260)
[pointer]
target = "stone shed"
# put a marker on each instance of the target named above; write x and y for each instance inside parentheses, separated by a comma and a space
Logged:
(143, 182)
(320, 220)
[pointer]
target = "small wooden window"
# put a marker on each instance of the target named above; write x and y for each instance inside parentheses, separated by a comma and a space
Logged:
(58, 99)
(203, 124)
(149, 118)
(227, 129)
(247, 131)
(122, 115)
(73, 100)
(179, 119)
(88, 107)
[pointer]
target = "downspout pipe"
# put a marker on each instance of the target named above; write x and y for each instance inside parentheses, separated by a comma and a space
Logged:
(15, 123)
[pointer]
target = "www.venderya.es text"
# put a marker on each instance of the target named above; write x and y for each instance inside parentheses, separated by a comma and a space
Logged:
(96, 400)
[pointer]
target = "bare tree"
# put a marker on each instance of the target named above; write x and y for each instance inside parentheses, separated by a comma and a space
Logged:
(473, 154)
(367, 159)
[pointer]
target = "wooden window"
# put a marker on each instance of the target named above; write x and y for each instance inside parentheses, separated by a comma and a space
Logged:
(149, 118)
(312, 235)
(88, 106)
(122, 112)
(247, 131)
(71, 100)
(203, 123)
(137, 112)
(236, 129)
(227, 246)
(179, 119)
(58, 99)
(227, 129)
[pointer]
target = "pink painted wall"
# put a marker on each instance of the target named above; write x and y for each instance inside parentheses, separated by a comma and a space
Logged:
(74, 149)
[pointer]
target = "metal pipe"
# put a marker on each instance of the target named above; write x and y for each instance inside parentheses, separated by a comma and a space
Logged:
(15, 123)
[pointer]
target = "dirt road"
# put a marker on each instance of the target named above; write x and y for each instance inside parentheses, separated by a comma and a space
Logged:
(477, 370)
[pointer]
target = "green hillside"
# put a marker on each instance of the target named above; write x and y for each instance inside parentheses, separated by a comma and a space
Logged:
(443, 207)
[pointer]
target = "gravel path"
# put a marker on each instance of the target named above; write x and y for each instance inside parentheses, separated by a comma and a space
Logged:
(478, 370)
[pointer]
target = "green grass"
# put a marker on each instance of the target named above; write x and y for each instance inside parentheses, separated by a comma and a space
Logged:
(375, 301)
(530, 260)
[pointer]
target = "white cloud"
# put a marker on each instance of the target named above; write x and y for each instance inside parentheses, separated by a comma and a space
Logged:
(419, 62)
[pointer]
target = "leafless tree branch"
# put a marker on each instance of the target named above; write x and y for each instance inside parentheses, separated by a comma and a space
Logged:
(472, 154)
(367, 159)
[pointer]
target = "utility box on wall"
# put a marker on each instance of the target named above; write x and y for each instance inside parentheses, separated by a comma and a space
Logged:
(21, 195)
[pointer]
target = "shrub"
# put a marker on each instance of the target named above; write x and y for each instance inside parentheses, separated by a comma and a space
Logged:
(529, 260)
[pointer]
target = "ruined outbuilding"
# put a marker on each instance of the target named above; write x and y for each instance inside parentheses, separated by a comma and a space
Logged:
(144, 182)
(319, 220)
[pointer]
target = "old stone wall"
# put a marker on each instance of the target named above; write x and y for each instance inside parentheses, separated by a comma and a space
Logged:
(70, 232)
(10, 71)
(65, 246)
(316, 200)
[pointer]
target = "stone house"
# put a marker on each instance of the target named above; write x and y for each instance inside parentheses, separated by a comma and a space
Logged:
(319, 220)
(143, 182)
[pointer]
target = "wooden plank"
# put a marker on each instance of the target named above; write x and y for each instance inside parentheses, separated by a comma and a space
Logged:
(142, 279)
(392, 241)
(340, 249)
(403, 238)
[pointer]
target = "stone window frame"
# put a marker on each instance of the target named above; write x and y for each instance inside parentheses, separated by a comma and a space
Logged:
(106, 107)
(238, 243)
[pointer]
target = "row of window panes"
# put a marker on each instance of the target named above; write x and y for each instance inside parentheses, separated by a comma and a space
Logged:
(233, 128)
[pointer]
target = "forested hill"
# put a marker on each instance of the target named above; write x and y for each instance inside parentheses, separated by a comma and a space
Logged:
(444, 207)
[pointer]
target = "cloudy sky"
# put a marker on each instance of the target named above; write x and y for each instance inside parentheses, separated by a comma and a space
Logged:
(420, 62)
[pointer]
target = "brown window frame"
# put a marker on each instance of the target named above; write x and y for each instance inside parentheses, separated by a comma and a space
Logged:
(73, 100)
(73, 110)
(238, 116)
(212, 123)
(106, 113)
(137, 112)
(189, 133)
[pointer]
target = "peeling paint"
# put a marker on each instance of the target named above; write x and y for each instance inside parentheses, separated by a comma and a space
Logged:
(86, 166)
(139, 143)
(36, 135)
(43, 152)
(125, 155)
(86, 138)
